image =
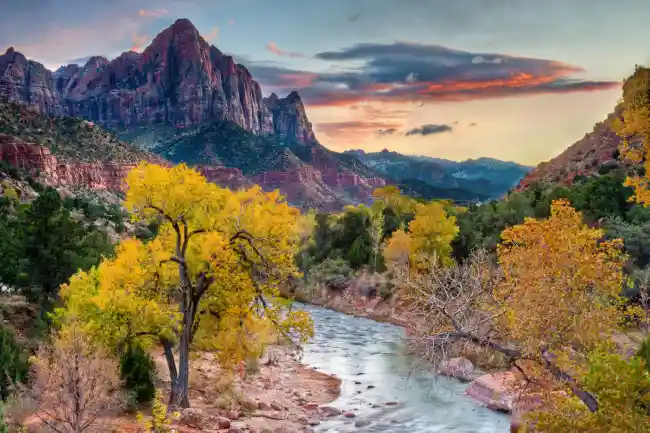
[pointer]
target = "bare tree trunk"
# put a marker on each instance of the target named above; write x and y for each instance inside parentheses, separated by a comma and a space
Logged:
(182, 397)
(173, 372)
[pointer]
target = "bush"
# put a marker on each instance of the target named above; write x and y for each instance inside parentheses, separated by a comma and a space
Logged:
(13, 362)
(3, 425)
(644, 352)
(333, 273)
(137, 371)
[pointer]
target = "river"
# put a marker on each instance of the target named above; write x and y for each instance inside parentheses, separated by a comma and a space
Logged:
(369, 358)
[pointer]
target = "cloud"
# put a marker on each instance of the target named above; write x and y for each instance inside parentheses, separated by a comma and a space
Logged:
(79, 60)
(389, 131)
(429, 130)
(139, 42)
(213, 35)
(231, 22)
(354, 18)
(408, 72)
(354, 130)
(473, 124)
(156, 13)
(272, 47)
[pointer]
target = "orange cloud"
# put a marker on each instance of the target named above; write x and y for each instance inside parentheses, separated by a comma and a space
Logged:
(272, 47)
(356, 130)
(214, 34)
(157, 13)
(138, 42)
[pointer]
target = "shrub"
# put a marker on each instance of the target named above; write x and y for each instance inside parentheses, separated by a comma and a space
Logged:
(3, 426)
(644, 352)
(13, 362)
(137, 371)
(161, 418)
(333, 273)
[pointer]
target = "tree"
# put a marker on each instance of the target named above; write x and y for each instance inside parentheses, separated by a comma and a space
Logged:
(432, 232)
(13, 362)
(74, 383)
(623, 391)
(398, 250)
(203, 282)
(634, 129)
(44, 246)
(554, 299)
(376, 231)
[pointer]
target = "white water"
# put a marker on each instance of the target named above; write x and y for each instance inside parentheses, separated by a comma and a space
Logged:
(362, 350)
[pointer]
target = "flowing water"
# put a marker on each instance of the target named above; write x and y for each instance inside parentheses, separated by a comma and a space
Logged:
(368, 357)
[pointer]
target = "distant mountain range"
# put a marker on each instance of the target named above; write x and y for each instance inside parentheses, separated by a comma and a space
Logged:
(185, 100)
(470, 180)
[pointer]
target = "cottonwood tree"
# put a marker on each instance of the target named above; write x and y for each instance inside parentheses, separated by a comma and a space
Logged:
(429, 235)
(74, 383)
(634, 129)
(553, 300)
(204, 282)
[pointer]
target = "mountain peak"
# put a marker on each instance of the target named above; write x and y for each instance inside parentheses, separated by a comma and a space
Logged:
(183, 24)
(10, 50)
(294, 97)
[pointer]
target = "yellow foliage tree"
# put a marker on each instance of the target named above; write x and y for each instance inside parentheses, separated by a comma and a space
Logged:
(430, 235)
(554, 300)
(432, 231)
(398, 250)
(203, 282)
(634, 129)
(392, 197)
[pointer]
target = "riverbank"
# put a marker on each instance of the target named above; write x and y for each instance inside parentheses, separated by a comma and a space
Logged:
(278, 395)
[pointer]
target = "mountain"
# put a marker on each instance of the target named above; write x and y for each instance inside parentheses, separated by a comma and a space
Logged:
(471, 180)
(64, 151)
(187, 101)
(178, 79)
(595, 153)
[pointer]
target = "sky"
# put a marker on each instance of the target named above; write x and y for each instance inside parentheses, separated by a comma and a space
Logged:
(517, 80)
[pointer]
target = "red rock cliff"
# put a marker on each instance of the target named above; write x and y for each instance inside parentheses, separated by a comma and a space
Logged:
(44, 166)
(179, 79)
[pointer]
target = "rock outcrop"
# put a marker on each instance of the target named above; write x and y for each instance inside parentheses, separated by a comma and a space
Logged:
(42, 165)
(178, 79)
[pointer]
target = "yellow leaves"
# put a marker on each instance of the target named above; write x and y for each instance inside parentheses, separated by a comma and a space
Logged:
(144, 288)
(634, 130)
(561, 284)
(398, 249)
(432, 231)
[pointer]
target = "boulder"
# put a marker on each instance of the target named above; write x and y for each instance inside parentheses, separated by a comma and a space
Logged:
(194, 417)
(497, 391)
(460, 368)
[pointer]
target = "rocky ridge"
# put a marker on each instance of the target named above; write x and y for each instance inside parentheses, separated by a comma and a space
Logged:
(596, 151)
(180, 84)
(178, 79)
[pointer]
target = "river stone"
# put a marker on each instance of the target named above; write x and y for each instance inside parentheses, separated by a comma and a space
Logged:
(223, 422)
(497, 391)
(460, 368)
(329, 411)
(194, 417)
(349, 415)
(362, 423)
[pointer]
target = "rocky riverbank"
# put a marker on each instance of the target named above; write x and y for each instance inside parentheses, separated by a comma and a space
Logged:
(278, 395)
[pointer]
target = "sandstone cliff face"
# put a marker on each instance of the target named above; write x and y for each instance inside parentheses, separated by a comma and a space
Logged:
(44, 166)
(290, 118)
(179, 79)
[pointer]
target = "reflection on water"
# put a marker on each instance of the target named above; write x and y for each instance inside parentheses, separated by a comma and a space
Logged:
(368, 357)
